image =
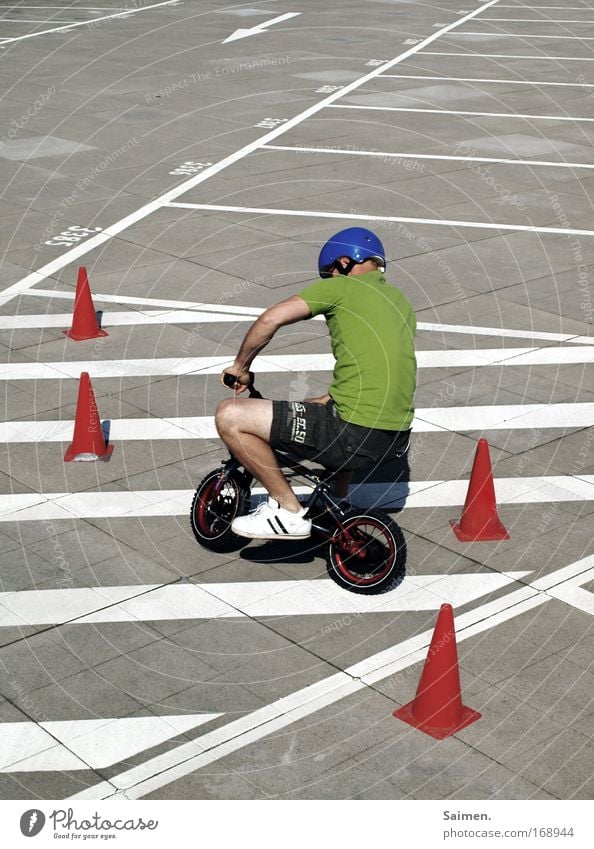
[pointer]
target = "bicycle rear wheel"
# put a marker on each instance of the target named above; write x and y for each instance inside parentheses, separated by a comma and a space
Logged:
(369, 555)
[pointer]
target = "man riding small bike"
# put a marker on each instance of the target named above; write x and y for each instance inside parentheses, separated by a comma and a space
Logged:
(367, 414)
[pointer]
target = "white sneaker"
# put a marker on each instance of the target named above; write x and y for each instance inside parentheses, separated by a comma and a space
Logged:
(271, 521)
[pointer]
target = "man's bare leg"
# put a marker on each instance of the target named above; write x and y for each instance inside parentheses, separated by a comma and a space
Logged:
(244, 426)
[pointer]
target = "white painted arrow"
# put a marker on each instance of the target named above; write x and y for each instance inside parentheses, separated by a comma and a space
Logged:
(259, 28)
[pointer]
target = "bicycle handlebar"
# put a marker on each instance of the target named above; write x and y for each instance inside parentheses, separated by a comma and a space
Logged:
(231, 379)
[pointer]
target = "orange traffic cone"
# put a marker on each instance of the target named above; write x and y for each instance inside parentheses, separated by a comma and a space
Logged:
(437, 708)
(84, 318)
(479, 521)
(88, 442)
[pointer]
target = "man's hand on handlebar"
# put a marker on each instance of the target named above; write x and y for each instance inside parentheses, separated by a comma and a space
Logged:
(237, 379)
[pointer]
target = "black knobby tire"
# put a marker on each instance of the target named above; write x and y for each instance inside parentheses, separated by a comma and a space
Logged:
(212, 513)
(379, 564)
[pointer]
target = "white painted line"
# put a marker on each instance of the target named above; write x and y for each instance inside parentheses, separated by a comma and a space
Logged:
(385, 154)
(482, 80)
(87, 743)
(176, 502)
(255, 599)
(198, 366)
(438, 222)
(525, 35)
(427, 420)
(540, 20)
(39, 21)
(507, 56)
(123, 319)
(65, 26)
(95, 241)
(572, 593)
(462, 112)
(249, 313)
(163, 769)
(150, 302)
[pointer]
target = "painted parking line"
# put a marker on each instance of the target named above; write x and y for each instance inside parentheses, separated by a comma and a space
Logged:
(426, 420)
(492, 35)
(164, 769)
(436, 222)
(164, 303)
(88, 743)
(575, 119)
(249, 313)
(121, 504)
(290, 363)
(122, 319)
(199, 366)
(483, 80)
(391, 155)
(540, 20)
(64, 26)
(256, 599)
(508, 56)
(108, 233)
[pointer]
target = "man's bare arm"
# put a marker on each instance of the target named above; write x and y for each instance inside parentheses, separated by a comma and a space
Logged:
(263, 329)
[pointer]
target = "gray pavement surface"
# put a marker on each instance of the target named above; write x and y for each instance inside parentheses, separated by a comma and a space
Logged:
(101, 121)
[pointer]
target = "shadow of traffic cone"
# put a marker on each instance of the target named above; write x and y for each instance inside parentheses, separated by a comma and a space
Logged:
(88, 441)
(437, 708)
(84, 317)
(479, 521)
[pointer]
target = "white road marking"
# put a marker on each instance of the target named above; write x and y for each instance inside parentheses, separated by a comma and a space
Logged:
(253, 599)
(427, 420)
(87, 743)
(258, 29)
(200, 366)
(389, 155)
(163, 769)
(148, 302)
(540, 20)
(482, 80)
(35, 507)
(437, 222)
(38, 21)
(65, 26)
(525, 35)
(507, 56)
(249, 313)
(572, 593)
(83, 248)
(463, 112)
(120, 319)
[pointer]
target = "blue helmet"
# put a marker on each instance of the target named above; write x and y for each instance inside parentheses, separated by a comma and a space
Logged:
(355, 242)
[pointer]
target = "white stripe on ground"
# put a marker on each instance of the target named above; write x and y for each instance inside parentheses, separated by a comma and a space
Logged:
(483, 80)
(442, 157)
(75, 253)
(461, 111)
(427, 420)
(148, 603)
(437, 222)
(163, 769)
(542, 20)
(87, 743)
(524, 35)
(507, 56)
(119, 319)
(88, 22)
(471, 358)
(241, 312)
(35, 507)
(148, 302)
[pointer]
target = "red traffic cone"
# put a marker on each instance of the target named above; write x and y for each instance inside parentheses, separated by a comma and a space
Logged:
(479, 521)
(88, 442)
(84, 318)
(437, 708)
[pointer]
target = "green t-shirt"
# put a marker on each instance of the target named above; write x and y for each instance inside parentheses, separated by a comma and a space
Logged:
(372, 328)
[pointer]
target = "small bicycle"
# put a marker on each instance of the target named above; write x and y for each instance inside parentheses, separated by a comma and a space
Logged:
(366, 550)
